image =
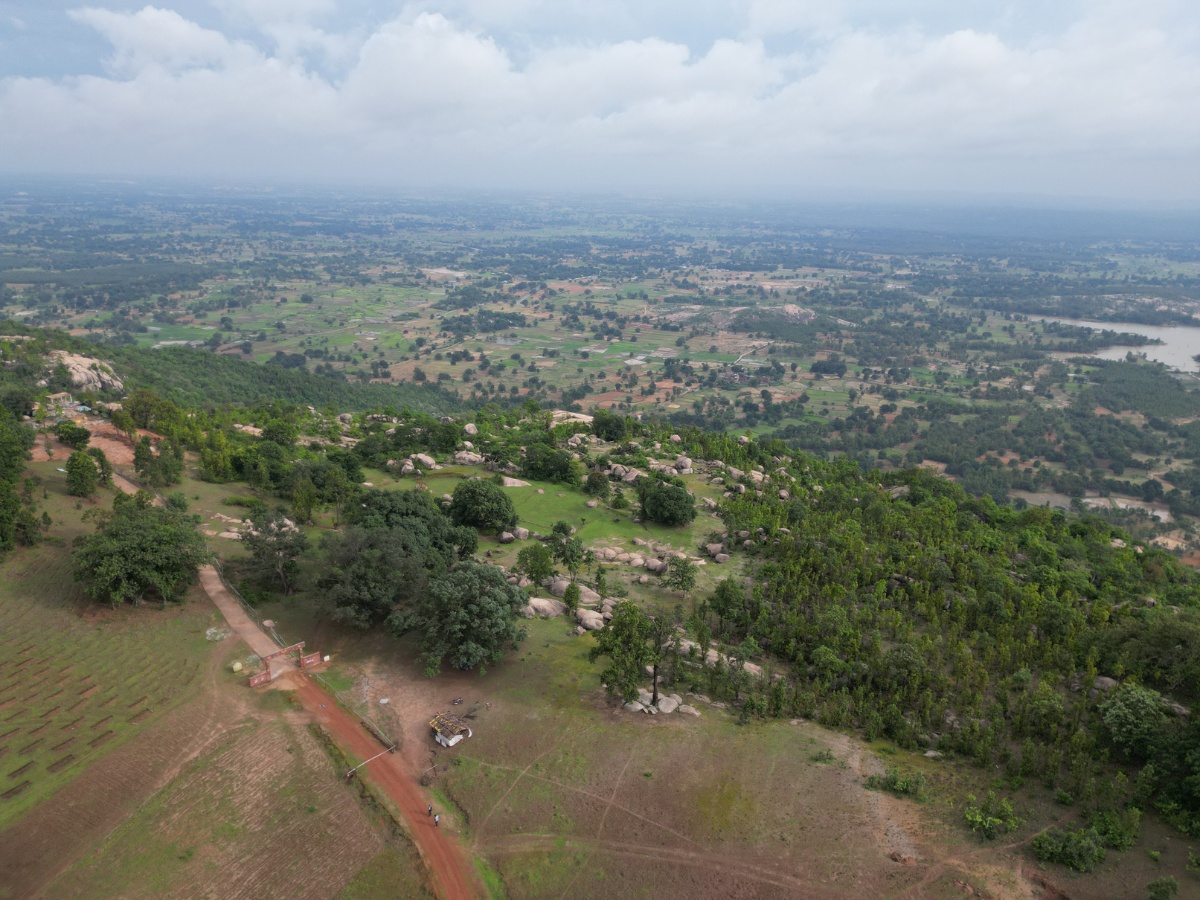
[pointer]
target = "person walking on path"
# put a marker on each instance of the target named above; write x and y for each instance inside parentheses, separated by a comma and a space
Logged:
(437, 819)
(430, 813)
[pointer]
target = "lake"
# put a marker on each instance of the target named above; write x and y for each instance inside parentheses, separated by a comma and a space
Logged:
(1179, 342)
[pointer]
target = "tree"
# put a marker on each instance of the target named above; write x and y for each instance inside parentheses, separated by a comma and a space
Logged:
(624, 640)
(467, 617)
(371, 572)
(483, 505)
(16, 440)
(572, 595)
(681, 576)
(275, 543)
(1135, 718)
(536, 562)
(123, 422)
(609, 426)
(304, 499)
(138, 549)
(569, 552)
(665, 500)
(597, 485)
(81, 475)
(104, 468)
(143, 455)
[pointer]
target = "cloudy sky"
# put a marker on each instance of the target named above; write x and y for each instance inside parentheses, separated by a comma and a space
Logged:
(1083, 99)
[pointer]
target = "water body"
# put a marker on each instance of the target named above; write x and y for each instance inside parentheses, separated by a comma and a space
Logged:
(1179, 342)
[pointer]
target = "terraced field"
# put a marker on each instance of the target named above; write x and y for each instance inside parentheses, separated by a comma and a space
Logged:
(74, 685)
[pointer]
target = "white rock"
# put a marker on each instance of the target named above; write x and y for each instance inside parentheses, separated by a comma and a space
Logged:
(667, 704)
(506, 537)
(633, 706)
(547, 607)
(690, 710)
(471, 429)
(521, 534)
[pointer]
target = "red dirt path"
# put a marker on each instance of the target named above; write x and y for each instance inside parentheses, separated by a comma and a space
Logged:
(450, 870)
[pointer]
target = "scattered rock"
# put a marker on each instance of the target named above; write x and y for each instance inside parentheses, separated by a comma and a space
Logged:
(667, 704)
(506, 537)
(722, 558)
(633, 706)
(471, 429)
(592, 504)
(689, 710)
(467, 458)
(86, 373)
(675, 439)
(933, 754)
(1104, 683)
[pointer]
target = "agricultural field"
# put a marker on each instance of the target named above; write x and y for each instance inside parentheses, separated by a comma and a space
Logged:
(230, 824)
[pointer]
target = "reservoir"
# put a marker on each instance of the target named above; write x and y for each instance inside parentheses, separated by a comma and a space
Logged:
(1179, 342)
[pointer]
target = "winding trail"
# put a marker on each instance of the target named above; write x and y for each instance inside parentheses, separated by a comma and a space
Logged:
(451, 872)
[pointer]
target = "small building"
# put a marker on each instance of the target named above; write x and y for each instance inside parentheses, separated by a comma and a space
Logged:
(448, 730)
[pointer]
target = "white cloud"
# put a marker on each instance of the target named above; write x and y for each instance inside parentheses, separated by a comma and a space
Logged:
(1104, 106)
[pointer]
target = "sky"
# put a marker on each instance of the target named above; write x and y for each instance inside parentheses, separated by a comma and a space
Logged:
(1075, 100)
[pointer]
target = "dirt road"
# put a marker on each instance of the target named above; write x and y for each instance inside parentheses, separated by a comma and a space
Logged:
(450, 870)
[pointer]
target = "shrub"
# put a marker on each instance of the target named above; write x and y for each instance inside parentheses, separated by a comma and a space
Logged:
(1079, 850)
(900, 785)
(990, 818)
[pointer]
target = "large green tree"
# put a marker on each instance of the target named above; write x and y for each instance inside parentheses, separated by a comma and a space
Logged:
(483, 505)
(467, 618)
(138, 550)
(665, 500)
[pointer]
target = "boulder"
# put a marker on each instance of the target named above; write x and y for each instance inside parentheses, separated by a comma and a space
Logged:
(636, 561)
(424, 460)
(592, 504)
(587, 595)
(721, 558)
(667, 704)
(85, 372)
(506, 537)
(1104, 683)
(345, 418)
(683, 463)
(558, 586)
(689, 710)
(643, 579)
(784, 495)
(471, 429)
(633, 706)
(547, 607)
(714, 549)
(675, 439)
(467, 445)
(657, 566)
(521, 534)
(589, 619)
(467, 458)
(708, 503)
(644, 697)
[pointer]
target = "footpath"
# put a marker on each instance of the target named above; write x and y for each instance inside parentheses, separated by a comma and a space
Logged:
(451, 872)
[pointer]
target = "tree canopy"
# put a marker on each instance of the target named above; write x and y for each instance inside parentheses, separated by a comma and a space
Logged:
(467, 618)
(139, 550)
(482, 505)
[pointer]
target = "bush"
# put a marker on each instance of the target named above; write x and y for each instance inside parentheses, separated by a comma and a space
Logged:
(1078, 850)
(74, 436)
(990, 818)
(900, 785)
(1119, 831)
(1165, 888)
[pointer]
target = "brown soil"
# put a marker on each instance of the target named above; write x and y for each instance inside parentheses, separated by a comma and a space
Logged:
(54, 834)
